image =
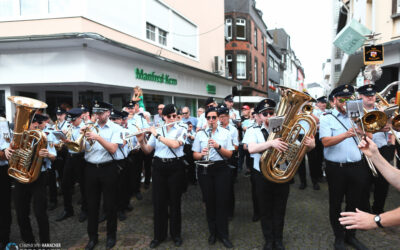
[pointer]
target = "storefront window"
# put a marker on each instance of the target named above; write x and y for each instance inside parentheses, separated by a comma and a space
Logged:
(119, 100)
(181, 102)
(28, 94)
(2, 101)
(87, 97)
(30, 7)
(56, 99)
(151, 102)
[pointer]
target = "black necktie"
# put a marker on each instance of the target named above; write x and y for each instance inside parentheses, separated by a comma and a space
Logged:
(265, 133)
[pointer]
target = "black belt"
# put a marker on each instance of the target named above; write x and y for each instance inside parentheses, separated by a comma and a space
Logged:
(75, 155)
(100, 165)
(346, 164)
(168, 160)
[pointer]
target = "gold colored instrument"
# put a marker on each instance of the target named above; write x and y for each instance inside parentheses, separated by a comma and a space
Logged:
(280, 167)
(307, 109)
(25, 163)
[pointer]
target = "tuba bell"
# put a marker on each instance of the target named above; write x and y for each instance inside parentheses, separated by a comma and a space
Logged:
(25, 163)
(280, 167)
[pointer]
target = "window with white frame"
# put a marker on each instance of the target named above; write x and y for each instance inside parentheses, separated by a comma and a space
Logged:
(30, 7)
(241, 66)
(255, 71)
(397, 6)
(162, 37)
(229, 65)
(150, 32)
(262, 45)
(262, 74)
(228, 28)
(6, 8)
(270, 62)
(240, 28)
(255, 37)
(276, 65)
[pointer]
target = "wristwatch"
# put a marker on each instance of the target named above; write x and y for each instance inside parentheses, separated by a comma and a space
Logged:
(157, 136)
(377, 220)
(219, 147)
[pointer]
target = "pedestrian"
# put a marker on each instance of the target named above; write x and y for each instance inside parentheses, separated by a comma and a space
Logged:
(215, 144)
(168, 176)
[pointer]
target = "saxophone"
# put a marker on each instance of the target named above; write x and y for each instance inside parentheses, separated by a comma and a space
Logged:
(25, 163)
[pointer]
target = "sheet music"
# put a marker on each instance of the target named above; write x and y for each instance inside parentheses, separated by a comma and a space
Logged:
(275, 124)
(355, 108)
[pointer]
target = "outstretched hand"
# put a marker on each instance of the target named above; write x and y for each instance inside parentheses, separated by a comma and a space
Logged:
(357, 220)
(368, 147)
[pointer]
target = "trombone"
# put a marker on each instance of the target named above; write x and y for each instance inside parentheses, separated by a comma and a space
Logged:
(372, 120)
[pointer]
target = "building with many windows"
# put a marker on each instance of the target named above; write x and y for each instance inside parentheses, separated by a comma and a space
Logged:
(382, 17)
(74, 51)
(246, 47)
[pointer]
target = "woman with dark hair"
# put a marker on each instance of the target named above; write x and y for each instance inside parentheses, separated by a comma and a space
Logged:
(168, 175)
(215, 143)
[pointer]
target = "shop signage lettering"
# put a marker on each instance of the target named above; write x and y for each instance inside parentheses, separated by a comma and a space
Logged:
(211, 89)
(153, 77)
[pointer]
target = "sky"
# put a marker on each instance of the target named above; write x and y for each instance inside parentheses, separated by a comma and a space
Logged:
(309, 25)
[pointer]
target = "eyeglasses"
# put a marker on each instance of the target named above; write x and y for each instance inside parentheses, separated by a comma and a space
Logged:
(160, 108)
(267, 113)
(40, 122)
(185, 113)
(342, 100)
(173, 116)
(211, 117)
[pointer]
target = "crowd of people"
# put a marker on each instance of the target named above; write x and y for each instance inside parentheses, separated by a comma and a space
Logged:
(108, 152)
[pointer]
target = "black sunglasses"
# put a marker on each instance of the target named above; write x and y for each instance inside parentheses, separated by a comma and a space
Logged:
(173, 116)
(185, 113)
(211, 117)
(266, 113)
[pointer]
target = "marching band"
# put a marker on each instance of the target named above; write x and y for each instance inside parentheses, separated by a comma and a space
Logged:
(105, 151)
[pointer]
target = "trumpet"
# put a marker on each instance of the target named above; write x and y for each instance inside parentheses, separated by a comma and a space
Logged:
(125, 136)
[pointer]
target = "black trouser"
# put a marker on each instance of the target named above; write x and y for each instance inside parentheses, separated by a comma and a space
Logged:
(103, 179)
(23, 195)
(317, 157)
(123, 184)
(5, 207)
(272, 200)
(346, 181)
(168, 184)
(381, 186)
(52, 183)
(233, 165)
(136, 171)
(191, 169)
(215, 185)
(254, 198)
(74, 171)
(312, 167)
(148, 162)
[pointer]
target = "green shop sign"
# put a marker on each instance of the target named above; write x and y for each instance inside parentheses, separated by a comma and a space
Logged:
(211, 89)
(163, 78)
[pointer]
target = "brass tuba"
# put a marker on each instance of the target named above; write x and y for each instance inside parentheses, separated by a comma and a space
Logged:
(25, 164)
(280, 167)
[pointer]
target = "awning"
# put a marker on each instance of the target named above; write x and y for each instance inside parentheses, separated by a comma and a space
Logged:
(248, 99)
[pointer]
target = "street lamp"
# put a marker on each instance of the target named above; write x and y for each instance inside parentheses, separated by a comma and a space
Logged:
(239, 89)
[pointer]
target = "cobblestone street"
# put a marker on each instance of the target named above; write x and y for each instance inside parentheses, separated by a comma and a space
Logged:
(307, 224)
